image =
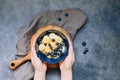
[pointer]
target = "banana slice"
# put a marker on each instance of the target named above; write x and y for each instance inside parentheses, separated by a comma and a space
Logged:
(46, 39)
(63, 49)
(56, 57)
(47, 49)
(44, 52)
(49, 57)
(52, 36)
(58, 39)
(41, 47)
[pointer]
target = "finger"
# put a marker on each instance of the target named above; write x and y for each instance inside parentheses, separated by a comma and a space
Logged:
(70, 43)
(70, 46)
(34, 53)
(70, 57)
(32, 58)
(35, 57)
(71, 52)
(44, 63)
(31, 55)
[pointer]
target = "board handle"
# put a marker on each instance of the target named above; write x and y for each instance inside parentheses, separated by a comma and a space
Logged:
(16, 63)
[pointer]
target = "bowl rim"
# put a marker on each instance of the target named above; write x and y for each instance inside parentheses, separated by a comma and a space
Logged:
(62, 57)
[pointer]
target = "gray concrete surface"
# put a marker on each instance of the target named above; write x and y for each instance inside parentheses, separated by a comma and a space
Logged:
(101, 32)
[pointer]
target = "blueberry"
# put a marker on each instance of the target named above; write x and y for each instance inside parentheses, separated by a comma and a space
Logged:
(48, 54)
(59, 47)
(66, 14)
(86, 49)
(55, 52)
(45, 44)
(56, 49)
(50, 46)
(58, 53)
(62, 44)
(84, 43)
(84, 52)
(53, 40)
(53, 55)
(57, 43)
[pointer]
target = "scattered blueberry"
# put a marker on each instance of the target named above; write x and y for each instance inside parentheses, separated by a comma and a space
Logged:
(84, 52)
(66, 14)
(84, 43)
(86, 49)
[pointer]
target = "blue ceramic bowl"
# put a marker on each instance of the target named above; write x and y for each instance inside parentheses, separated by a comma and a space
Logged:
(52, 60)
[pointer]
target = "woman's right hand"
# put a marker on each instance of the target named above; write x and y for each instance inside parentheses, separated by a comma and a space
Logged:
(67, 63)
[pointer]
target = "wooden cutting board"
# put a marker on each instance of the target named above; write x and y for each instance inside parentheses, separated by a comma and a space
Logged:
(16, 63)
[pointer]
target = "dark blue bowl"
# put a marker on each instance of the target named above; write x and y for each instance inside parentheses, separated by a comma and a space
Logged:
(52, 60)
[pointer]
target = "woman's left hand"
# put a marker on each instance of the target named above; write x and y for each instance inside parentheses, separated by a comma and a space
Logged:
(37, 63)
(40, 67)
